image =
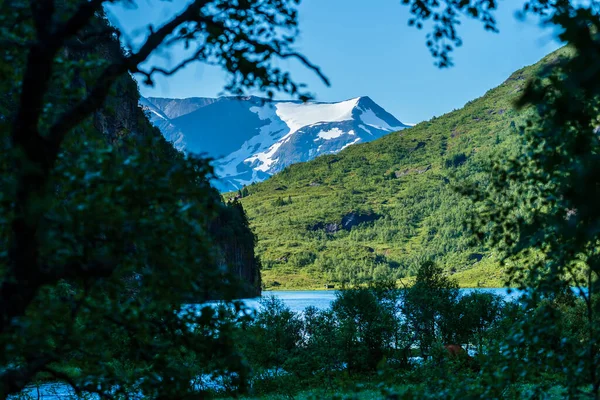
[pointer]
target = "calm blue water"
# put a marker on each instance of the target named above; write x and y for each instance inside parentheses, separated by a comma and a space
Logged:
(298, 300)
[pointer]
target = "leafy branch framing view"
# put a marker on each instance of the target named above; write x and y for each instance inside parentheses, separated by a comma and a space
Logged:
(110, 233)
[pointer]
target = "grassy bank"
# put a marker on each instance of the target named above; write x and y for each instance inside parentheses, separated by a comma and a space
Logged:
(486, 275)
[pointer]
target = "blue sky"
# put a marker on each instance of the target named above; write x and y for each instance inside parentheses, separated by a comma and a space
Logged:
(367, 48)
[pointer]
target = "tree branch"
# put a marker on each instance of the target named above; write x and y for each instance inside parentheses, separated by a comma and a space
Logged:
(307, 64)
(272, 49)
(42, 12)
(96, 96)
(172, 71)
(38, 154)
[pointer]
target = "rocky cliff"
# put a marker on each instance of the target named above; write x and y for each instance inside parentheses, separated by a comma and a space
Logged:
(123, 123)
(229, 229)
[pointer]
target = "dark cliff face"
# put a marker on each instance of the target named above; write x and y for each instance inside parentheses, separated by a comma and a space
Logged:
(124, 124)
(236, 247)
(229, 229)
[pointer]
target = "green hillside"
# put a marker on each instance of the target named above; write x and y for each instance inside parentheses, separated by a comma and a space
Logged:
(378, 209)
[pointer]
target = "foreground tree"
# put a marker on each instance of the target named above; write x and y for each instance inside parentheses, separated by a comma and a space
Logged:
(104, 226)
(541, 208)
(428, 308)
(367, 324)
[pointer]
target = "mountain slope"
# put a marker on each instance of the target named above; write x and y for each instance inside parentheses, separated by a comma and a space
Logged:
(379, 209)
(252, 138)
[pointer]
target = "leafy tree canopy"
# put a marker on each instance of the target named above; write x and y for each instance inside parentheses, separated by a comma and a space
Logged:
(541, 208)
(105, 227)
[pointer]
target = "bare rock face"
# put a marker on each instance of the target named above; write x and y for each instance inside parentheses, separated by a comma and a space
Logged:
(353, 219)
(348, 221)
(330, 227)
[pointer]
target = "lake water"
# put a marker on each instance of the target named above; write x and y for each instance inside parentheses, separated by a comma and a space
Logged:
(298, 300)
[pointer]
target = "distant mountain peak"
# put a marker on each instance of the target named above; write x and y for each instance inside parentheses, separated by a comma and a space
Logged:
(252, 137)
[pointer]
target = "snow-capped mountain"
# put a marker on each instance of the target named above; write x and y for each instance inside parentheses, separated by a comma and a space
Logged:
(251, 138)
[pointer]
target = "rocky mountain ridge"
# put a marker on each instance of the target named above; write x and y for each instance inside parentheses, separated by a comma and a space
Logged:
(252, 138)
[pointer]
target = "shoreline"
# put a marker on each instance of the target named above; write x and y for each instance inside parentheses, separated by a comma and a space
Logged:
(336, 289)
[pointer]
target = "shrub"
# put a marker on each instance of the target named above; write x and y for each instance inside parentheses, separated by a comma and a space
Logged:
(273, 337)
(368, 324)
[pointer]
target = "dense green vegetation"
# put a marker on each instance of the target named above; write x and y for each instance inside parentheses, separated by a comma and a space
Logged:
(378, 341)
(404, 186)
(107, 232)
(105, 242)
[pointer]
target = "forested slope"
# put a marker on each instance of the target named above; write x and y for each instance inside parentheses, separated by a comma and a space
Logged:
(379, 209)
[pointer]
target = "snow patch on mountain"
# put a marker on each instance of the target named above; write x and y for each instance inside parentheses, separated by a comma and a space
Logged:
(332, 134)
(349, 144)
(257, 150)
(371, 119)
(252, 138)
(298, 115)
